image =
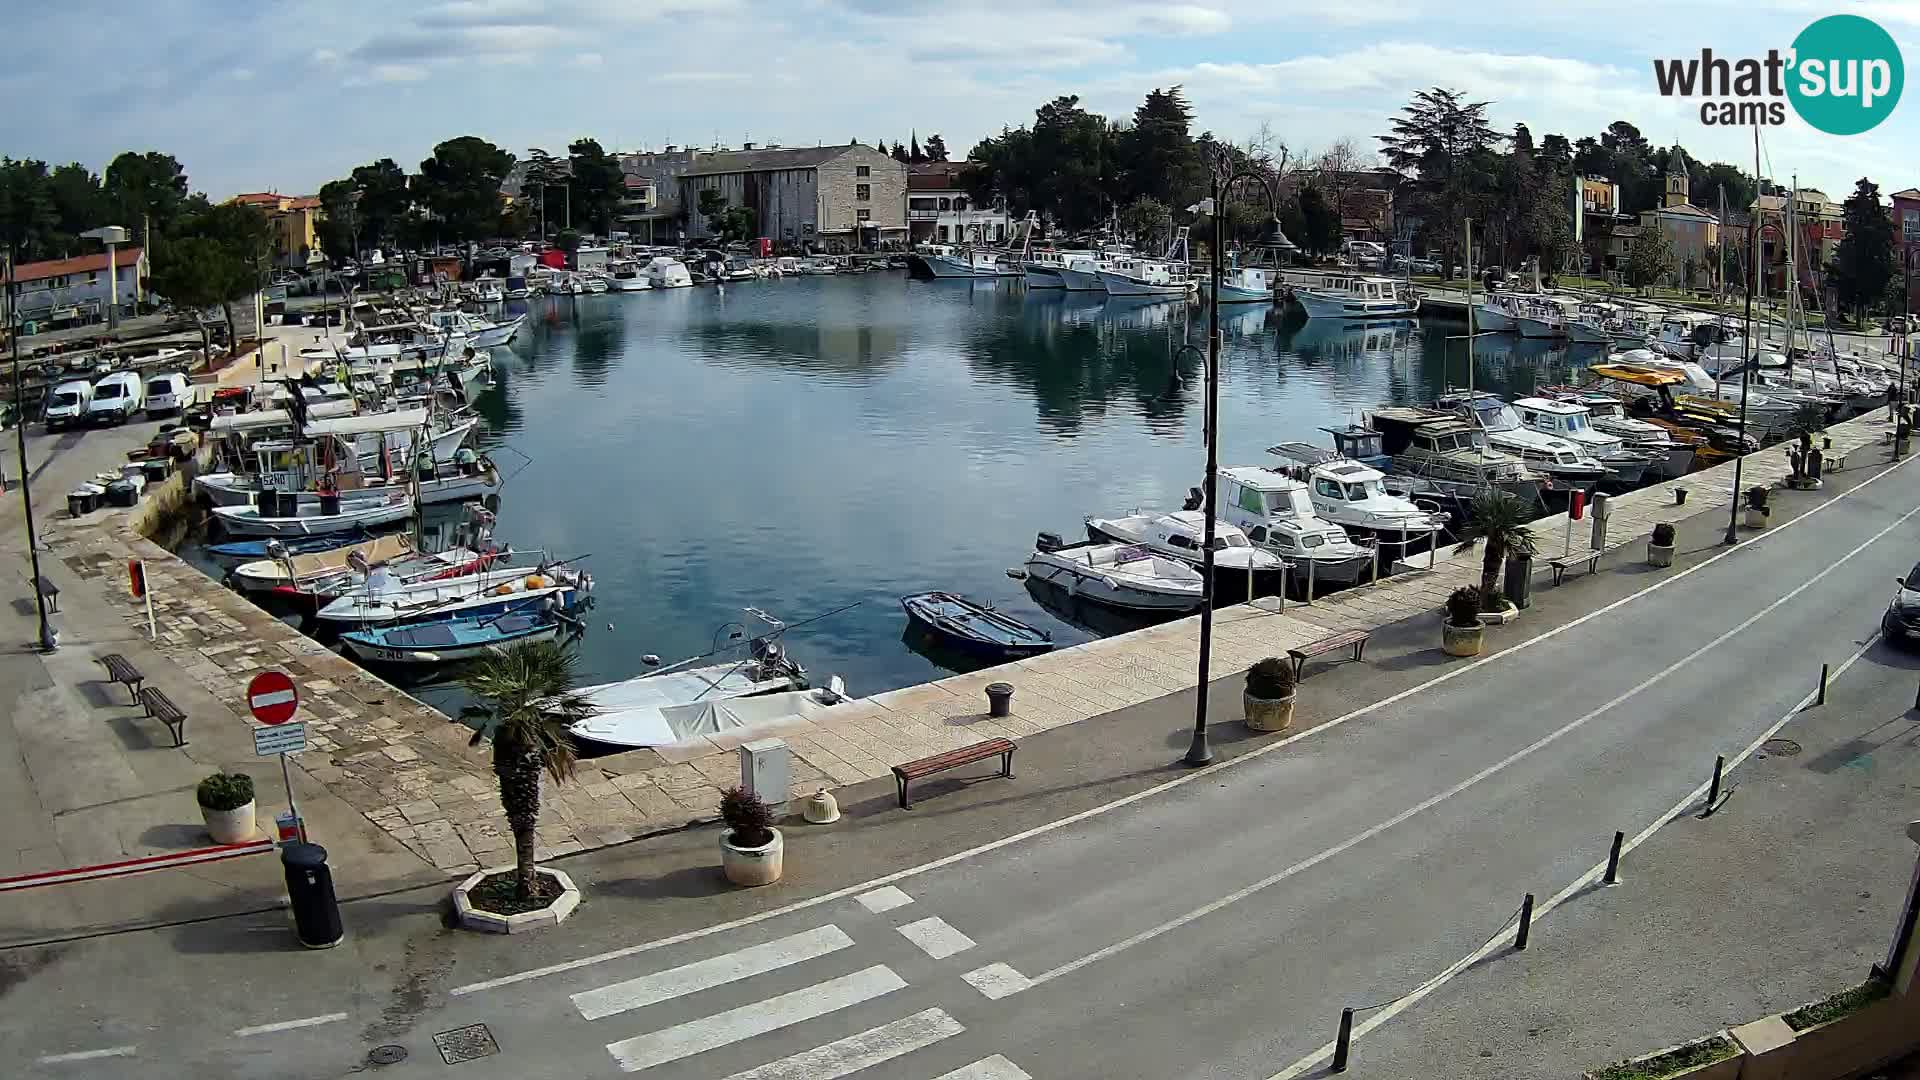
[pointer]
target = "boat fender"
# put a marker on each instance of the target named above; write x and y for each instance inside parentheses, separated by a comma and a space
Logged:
(1017, 573)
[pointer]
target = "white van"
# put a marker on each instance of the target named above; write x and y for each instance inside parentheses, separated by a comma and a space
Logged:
(116, 398)
(67, 405)
(167, 393)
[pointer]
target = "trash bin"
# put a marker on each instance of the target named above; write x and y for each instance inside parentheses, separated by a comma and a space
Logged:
(79, 502)
(1519, 583)
(316, 914)
(999, 699)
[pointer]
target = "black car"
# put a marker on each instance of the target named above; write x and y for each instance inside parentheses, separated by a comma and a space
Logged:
(1901, 623)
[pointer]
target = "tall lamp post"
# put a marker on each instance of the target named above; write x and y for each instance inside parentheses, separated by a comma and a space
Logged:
(49, 641)
(1200, 752)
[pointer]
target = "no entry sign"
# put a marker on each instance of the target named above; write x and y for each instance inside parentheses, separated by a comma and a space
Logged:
(272, 697)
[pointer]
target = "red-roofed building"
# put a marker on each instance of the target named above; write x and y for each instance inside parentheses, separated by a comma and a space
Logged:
(1906, 237)
(65, 292)
(295, 220)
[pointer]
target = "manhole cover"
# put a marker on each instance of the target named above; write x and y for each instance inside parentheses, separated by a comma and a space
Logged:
(1779, 748)
(386, 1055)
(465, 1044)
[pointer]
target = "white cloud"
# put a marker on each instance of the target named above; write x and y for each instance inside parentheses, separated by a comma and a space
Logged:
(397, 73)
(588, 60)
(240, 74)
(324, 57)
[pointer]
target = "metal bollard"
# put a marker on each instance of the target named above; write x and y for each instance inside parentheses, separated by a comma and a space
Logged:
(1821, 698)
(1613, 860)
(1342, 1044)
(1713, 793)
(1526, 923)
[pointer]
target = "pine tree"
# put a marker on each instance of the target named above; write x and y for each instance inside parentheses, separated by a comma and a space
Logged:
(913, 150)
(1864, 263)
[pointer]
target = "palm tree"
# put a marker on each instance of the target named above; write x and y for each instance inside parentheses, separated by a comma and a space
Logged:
(1500, 518)
(527, 704)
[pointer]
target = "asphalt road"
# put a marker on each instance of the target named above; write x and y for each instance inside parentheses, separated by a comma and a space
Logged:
(1210, 928)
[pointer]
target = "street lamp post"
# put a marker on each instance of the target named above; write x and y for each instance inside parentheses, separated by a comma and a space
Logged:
(1200, 752)
(49, 641)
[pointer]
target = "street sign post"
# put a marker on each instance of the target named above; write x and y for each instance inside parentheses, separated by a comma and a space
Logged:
(272, 698)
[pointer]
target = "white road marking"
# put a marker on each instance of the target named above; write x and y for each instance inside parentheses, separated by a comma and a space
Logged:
(886, 899)
(87, 1055)
(1158, 789)
(997, 981)
(1593, 874)
(705, 974)
(288, 1025)
(747, 1021)
(844, 1057)
(988, 1068)
(936, 937)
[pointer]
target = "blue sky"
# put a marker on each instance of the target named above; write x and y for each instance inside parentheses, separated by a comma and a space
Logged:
(286, 94)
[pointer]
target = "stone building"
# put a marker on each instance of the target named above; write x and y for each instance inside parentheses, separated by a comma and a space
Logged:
(1691, 232)
(833, 198)
(939, 210)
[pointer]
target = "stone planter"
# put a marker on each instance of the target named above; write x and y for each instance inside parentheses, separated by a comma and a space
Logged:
(1507, 613)
(1659, 554)
(1461, 640)
(751, 866)
(1756, 519)
(233, 826)
(1269, 714)
(490, 922)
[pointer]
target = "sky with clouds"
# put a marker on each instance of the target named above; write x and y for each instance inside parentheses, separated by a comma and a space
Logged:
(286, 94)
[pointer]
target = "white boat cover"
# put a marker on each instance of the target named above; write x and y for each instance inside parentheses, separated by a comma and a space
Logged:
(635, 712)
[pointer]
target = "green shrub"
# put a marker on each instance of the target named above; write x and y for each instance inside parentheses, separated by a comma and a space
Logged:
(1678, 1060)
(1270, 678)
(1850, 1000)
(1663, 535)
(749, 819)
(1463, 607)
(225, 791)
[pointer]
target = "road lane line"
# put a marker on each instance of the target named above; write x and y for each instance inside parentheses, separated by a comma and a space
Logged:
(86, 1055)
(844, 1057)
(1593, 874)
(1158, 789)
(886, 899)
(706, 974)
(1432, 801)
(288, 1025)
(996, 981)
(987, 1068)
(758, 1018)
(936, 937)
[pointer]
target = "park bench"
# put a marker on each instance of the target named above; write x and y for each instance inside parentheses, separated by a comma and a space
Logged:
(1354, 639)
(49, 590)
(1591, 557)
(903, 775)
(161, 707)
(121, 671)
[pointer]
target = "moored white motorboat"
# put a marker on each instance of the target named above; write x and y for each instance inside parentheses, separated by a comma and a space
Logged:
(1182, 535)
(1278, 515)
(449, 641)
(1080, 271)
(312, 519)
(640, 711)
(513, 588)
(1120, 575)
(1341, 295)
(1163, 278)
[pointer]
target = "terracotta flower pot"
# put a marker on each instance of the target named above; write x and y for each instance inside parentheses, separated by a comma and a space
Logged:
(752, 866)
(1269, 714)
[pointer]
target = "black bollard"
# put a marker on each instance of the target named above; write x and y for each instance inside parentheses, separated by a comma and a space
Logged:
(1341, 1044)
(1613, 860)
(1526, 923)
(1822, 698)
(316, 913)
(1713, 793)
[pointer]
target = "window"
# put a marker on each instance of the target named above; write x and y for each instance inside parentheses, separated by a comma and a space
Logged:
(1356, 492)
(1257, 534)
(808, 228)
(946, 204)
(93, 277)
(863, 192)
(863, 170)
(863, 215)
(1326, 487)
(1182, 542)
(943, 234)
(1251, 501)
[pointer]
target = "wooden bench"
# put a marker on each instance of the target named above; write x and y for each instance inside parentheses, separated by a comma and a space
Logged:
(49, 590)
(903, 775)
(121, 671)
(161, 707)
(1356, 639)
(1591, 557)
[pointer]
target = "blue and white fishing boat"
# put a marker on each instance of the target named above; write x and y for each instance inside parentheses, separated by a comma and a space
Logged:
(257, 549)
(974, 627)
(451, 640)
(490, 592)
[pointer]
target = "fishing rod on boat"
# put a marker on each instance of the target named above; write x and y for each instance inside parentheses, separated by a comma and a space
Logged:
(779, 629)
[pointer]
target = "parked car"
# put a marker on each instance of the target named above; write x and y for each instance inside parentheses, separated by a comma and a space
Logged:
(67, 404)
(167, 393)
(1901, 624)
(1897, 325)
(116, 398)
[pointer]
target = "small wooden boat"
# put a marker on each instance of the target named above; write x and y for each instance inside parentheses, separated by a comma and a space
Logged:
(257, 549)
(456, 639)
(974, 627)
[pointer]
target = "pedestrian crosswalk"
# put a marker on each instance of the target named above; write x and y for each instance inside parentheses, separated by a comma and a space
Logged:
(783, 1018)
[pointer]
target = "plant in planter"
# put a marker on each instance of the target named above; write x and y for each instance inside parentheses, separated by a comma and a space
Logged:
(226, 805)
(1462, 633)
(1660, 545)
(526, 704)
(1269, 695)
(1757, 499)
(1500, 519)
(752, 851)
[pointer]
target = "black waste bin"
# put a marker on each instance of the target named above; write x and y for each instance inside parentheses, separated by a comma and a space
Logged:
(316, 914)
(1519, 583)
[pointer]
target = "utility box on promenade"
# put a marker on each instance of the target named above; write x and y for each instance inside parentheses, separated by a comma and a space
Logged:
(767, 771)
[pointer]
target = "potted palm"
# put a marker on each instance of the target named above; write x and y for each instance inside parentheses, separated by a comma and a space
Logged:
(1757, 508)
(1269, 695)
(1500, 519)
(1660, 546)
(752, 852)
(526, 704)
(1462, 631)
(226, 805)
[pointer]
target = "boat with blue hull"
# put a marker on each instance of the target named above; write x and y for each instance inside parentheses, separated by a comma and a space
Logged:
(452, 640)
(257, 549)
(974, 627)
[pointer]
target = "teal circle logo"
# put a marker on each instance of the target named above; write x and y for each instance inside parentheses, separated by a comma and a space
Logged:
(1846, 75)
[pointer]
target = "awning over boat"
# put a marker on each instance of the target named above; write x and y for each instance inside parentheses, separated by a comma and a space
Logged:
(402, 420)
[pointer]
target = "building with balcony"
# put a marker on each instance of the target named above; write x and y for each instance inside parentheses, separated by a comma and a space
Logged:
(72, 292)
(829, 198)
(939, 210)
(295, 221)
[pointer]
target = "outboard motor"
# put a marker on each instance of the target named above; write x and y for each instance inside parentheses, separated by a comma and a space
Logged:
(1048, 541)
(1195, 500)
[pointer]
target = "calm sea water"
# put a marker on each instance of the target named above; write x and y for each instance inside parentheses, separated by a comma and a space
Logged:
(803, 444)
